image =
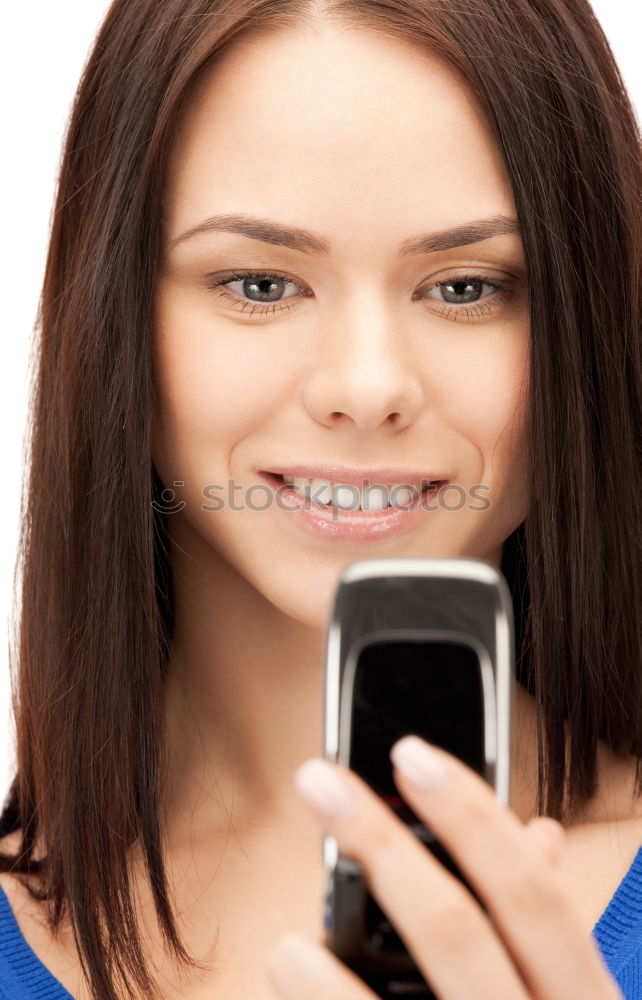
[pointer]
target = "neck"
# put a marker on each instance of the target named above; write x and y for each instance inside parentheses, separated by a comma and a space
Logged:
(244, 701)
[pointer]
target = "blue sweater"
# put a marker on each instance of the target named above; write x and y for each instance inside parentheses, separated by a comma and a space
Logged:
(618, 933)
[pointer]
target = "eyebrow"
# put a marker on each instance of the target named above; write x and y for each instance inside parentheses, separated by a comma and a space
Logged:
(268, 231)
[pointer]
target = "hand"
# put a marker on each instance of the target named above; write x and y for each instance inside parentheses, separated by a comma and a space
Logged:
(535, 946)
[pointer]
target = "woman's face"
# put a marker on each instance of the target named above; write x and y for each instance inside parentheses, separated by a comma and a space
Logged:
(363, 344)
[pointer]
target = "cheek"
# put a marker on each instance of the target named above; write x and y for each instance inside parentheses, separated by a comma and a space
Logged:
(488, 395)
(215, 379)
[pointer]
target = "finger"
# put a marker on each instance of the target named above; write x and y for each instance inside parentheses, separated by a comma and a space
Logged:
(300, 968)
(518, 882)
(549, 836)
(314, 936)
(444, 928)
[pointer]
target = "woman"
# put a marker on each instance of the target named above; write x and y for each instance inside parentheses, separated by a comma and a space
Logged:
(397, 243)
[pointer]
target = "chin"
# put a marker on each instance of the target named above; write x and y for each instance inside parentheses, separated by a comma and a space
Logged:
(307, 602)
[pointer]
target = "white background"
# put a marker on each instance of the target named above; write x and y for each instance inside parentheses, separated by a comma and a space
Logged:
(45, 45)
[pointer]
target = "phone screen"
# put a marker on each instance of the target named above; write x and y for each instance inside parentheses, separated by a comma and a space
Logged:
(432, 689)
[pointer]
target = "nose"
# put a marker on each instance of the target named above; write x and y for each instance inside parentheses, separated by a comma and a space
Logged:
(365, 374)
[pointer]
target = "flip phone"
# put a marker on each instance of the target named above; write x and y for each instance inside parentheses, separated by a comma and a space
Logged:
(423, 646)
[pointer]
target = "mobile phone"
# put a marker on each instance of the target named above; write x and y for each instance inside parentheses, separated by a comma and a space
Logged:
(423, 646)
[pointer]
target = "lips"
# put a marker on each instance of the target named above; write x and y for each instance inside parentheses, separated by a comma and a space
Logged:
(327, 522)
(344, 475)
(369, 502)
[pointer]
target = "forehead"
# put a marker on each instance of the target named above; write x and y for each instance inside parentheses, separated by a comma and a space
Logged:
(336, 127)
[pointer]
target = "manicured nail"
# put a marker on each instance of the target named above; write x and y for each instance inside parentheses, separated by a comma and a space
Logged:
(418, 762)
(319, 782)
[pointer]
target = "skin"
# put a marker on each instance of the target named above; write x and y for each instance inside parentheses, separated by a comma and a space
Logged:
(366, 142)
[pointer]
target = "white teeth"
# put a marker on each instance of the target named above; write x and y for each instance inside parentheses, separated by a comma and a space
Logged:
(321, 490)
(345, 497)
(375, 498)
(404, 494)
(349, 497)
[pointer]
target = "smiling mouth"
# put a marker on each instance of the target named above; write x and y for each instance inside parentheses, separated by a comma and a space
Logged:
(372, 498)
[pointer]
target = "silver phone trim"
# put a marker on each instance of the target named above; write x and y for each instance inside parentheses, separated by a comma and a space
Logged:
(502, 683)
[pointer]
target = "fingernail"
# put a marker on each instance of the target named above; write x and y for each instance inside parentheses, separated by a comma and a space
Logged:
(319, 782)
(285, 961)
(281, 952)
(418, 762)
(550, 834)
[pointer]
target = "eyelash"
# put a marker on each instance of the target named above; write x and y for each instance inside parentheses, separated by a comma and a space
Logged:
(448, 310)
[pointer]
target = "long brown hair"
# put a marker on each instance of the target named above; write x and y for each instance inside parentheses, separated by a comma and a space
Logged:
(95, 608)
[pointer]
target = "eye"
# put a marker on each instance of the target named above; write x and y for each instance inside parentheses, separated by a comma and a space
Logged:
(264, 292)
(462, 291)
(463, 296)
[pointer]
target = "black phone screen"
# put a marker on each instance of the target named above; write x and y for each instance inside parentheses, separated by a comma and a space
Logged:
(432, 689)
